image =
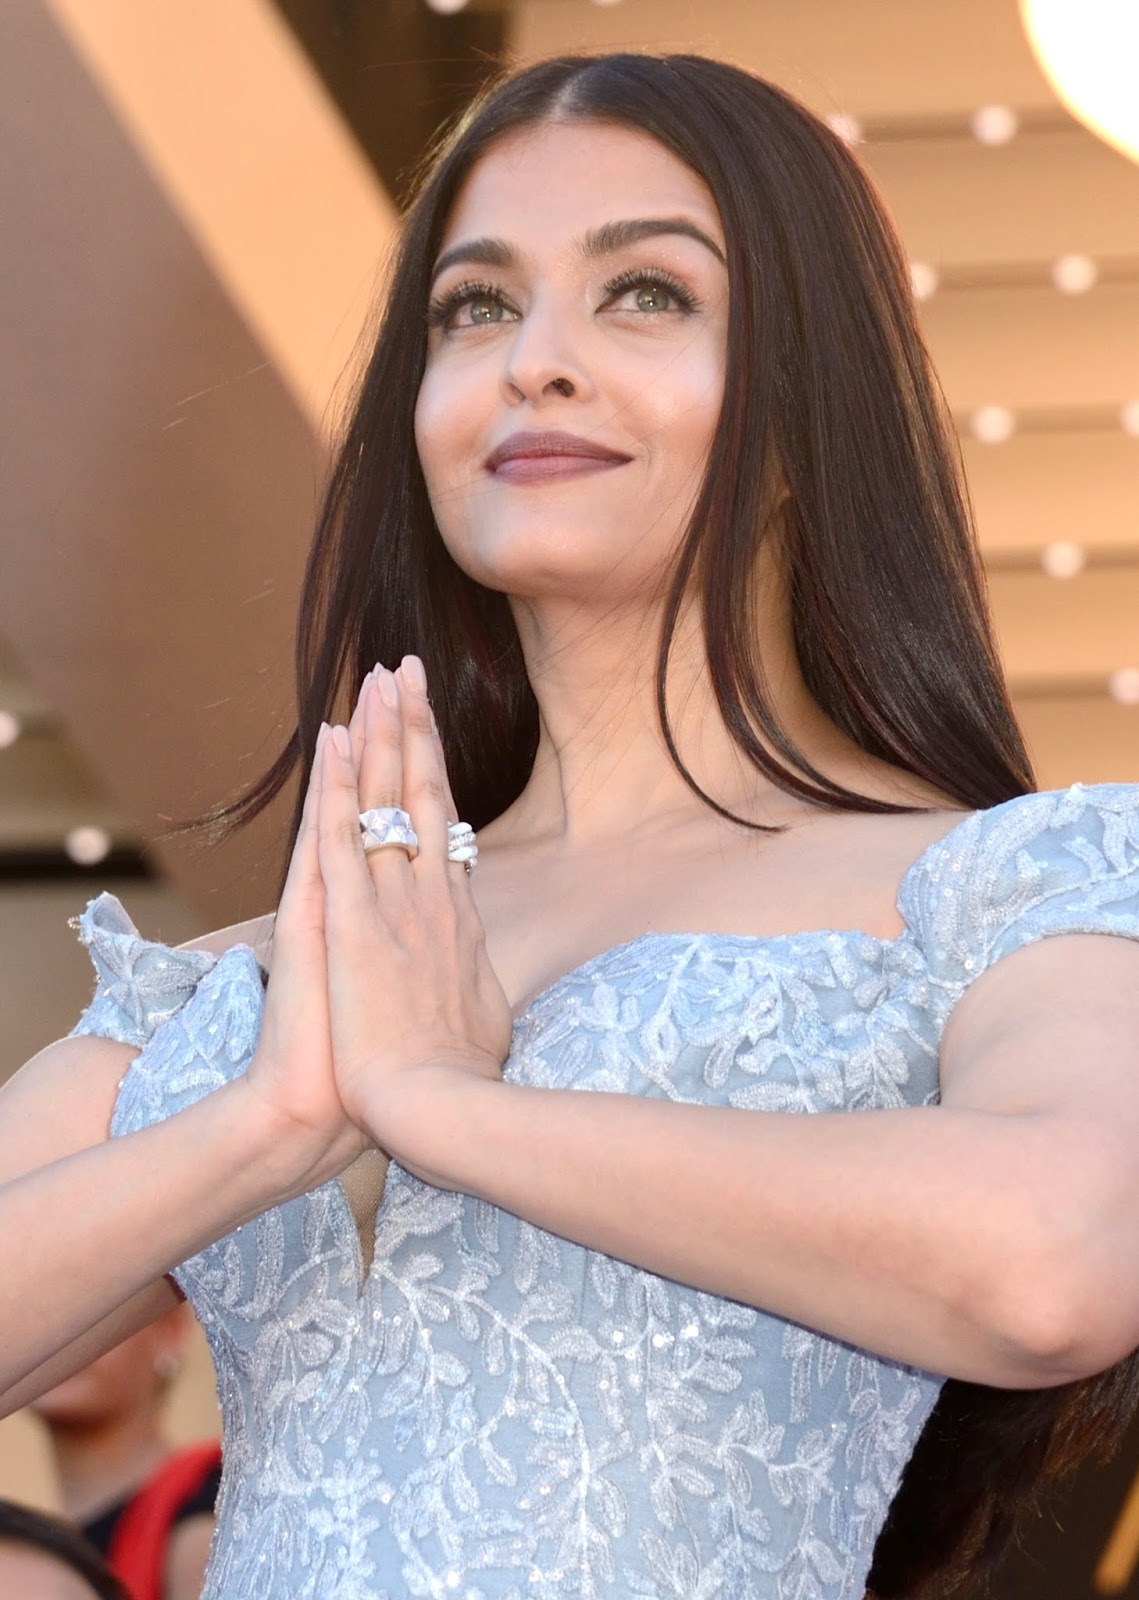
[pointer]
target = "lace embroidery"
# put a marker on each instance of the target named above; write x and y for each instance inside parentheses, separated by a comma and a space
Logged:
(499, 1413)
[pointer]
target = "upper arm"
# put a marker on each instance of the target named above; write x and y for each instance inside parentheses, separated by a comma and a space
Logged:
(1051, 1028)
(60, 1102)
(1048, 1038)
(130, 1318)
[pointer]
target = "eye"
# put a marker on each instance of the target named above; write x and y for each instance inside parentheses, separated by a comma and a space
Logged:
(482, 308)
(652, 297)
(469, 305)
(650, 294)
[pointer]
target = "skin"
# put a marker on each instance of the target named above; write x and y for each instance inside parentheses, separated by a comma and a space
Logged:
(982, 1238)
(36, 1575)
(105, 1429)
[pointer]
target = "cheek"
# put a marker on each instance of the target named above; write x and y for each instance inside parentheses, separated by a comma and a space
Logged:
(450, 425)
(429, 432)
(685, 421)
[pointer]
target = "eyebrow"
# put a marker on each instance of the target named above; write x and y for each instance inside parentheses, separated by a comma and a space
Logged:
(606, 240)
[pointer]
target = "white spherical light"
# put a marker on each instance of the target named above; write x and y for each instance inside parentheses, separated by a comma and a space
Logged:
(1063, 559)
(924, 279)
(1124, 686)
(1074, 274)
(848, 128)
(88, 845)
(994, 124)
(992, 424)
(1089, 52)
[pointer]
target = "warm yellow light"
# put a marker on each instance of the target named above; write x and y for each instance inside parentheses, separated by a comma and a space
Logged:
(1089, 52)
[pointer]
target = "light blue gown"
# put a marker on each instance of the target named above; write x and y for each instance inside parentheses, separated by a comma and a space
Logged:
(495, 1413)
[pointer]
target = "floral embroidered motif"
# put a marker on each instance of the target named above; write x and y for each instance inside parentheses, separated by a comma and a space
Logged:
(496, 1413)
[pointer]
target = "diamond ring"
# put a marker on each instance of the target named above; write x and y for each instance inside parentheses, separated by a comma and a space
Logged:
(461, 845)
(384, 826)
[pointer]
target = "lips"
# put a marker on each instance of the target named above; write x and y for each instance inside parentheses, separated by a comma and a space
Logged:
(542, 453)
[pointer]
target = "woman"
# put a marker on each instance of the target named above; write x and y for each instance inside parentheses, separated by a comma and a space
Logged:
(144, 1505)
(649, 473)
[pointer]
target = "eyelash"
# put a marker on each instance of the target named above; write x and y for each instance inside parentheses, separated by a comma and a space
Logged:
(442, 309)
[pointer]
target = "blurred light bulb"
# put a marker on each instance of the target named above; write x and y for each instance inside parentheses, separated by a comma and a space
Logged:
(446, 7)
(994, 124)
(1063, 559)
(10, 729)
(1088, 53)
(1129, 417)
(848, 128)
(1074, 274)
(1124, 686)
(992, 424)
(88, 845)
(924, 278)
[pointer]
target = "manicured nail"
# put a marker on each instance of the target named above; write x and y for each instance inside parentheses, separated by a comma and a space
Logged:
(412, 669)
(341, 741)
(385, 683)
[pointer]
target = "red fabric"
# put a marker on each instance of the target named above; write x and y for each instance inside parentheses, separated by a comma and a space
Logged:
(138, 1548)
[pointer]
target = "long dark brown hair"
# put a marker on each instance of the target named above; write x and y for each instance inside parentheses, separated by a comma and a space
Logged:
(829, 393)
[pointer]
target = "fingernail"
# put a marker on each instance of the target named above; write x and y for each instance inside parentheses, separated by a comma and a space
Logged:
(412, 669)
(341, 741)
(385, 683)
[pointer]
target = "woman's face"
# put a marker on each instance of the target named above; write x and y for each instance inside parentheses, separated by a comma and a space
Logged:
(575, 367)
(127, 1380)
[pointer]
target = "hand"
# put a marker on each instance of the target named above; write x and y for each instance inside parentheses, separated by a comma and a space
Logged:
(291, 1071)
(411, 990)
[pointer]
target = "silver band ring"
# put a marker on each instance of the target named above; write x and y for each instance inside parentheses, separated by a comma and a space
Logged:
(462, 845)
(385, 826)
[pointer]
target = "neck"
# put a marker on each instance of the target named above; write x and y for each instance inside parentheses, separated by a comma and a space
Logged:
(602, 765)
(101, 1462)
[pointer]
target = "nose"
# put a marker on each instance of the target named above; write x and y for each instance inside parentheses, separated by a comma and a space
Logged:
(542, 362)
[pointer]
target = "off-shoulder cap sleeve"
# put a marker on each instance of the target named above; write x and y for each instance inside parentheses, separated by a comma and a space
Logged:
(139, 984)
(1061, 862)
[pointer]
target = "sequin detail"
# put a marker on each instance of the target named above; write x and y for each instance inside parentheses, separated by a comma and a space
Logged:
(495, 1413)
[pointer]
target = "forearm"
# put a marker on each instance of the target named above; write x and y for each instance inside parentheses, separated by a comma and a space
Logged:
(917, 1234)
(82, 1235)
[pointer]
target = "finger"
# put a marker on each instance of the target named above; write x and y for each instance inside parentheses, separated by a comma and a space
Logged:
(349, 896)
(303, 877)
(298, 970)
(425, 789)
(381, 767)
(356, 721)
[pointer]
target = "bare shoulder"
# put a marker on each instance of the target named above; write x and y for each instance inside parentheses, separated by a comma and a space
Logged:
(257, 933)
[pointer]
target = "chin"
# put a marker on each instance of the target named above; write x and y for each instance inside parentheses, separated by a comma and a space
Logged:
(552, 562)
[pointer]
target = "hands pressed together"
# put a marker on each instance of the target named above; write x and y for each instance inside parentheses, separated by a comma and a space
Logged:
(381, 993)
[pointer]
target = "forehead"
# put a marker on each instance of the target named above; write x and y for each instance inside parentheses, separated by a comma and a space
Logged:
(554, 181)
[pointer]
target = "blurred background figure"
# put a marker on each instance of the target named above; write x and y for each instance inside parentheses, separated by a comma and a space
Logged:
(42, 1558)
(144, 1505)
